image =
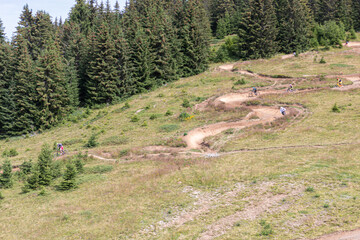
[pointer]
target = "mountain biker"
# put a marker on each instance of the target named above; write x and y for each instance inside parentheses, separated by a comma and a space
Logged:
(60, 148)
(254, 90)
(339, 82)
(282, 110)
(290, 89)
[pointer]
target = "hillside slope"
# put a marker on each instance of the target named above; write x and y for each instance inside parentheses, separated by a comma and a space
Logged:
(231, 168)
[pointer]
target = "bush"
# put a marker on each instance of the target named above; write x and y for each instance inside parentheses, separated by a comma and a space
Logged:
(186, 103)
(135, 118)
(69, 178)
(183, 116)
(154, 116)
(79, 164)
(168, 113)
(1, 196)
(6, 176)
(169, 128)
(322, 60)
(309, 189)
(10, 153)
(240, 82)
(92, 142)
(26, 167)
(352, 34)
(123, 108)
(335, 108)
(330, 33)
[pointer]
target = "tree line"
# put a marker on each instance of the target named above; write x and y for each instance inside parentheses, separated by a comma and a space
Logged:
(102, 55)
(98, 55)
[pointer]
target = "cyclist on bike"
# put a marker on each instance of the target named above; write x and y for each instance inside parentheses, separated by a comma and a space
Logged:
(339, 82)
(60, 148)
(290, 89)
(283, 110)
(254, 90)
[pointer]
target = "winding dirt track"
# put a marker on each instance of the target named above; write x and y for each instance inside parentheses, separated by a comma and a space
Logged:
(258, 115)
(265, 114)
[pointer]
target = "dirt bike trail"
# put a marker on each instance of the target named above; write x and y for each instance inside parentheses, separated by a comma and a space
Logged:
(195, 137)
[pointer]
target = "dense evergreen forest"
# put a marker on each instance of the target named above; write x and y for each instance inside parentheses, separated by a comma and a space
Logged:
(102, 55)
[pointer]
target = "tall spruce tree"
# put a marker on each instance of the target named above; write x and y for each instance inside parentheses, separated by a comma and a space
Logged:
(7, 104)
(193, 33)
(258, 30)
(52, 99)
(158, 27)
(140, 58)
(356, 14)
(44, 165)
(102, 71)
(294, 25)
(24, 91)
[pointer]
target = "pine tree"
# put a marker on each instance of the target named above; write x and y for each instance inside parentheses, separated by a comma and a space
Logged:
(356, 14)
(102, 72)
(81, 14)
(52, 101)
(7, 104)
(193, 33)
(158, 27)
(24, 31)
(42, 32)
(24, 90)
(125, 84)
(344, 13)
(6, 177)
(44, 166)
(69, 181)
(33, 181)
(258, 30)
(294, 24)
(223, 26)
(74, 44)
(140, 58)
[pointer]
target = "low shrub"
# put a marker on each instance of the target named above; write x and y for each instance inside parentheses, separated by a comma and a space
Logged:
(135, 118)
(322, 60)
(186, 103)
(168, 113)
(10, 153)
(92, 141)
(183, 116)
(154, 116)
(335, 109)
(240, 82)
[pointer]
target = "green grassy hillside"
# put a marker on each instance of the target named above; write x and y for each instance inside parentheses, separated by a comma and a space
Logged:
(294, 178)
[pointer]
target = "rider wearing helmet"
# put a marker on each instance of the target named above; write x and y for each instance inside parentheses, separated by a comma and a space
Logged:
(339, 82)
(283, 110)
(254, 90)
(60, 148)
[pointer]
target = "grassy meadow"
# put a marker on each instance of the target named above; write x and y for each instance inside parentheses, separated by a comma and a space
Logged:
(301, 180)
